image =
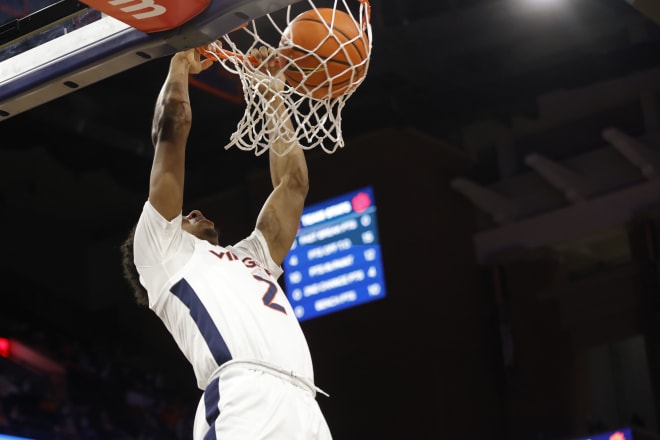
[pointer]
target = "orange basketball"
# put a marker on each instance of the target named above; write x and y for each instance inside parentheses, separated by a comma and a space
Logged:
(326, 50)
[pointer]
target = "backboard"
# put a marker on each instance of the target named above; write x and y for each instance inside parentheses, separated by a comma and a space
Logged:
(49, 48)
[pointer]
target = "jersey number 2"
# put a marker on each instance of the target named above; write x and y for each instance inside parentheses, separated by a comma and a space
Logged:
(269, 296)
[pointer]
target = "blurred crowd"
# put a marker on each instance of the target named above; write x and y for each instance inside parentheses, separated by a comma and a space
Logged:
(97, 396)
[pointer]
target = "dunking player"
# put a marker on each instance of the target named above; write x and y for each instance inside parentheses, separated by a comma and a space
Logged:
(222, 304)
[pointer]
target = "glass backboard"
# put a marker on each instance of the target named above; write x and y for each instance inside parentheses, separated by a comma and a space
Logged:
(25, 24)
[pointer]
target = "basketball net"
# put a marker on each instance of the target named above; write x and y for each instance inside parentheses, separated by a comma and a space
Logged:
(314, 121)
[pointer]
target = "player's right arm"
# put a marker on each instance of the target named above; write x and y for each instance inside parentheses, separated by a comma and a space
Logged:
(169, 133)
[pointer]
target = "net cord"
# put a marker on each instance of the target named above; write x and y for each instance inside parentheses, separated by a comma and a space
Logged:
(315, 122)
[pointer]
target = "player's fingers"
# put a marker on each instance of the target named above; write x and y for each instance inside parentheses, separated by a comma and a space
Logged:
(217, 44)
(206, 63)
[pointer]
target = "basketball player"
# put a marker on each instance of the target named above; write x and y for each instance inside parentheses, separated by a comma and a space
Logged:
(222, 304)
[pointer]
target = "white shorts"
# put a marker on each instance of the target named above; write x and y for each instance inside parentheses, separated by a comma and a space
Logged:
(252, 402)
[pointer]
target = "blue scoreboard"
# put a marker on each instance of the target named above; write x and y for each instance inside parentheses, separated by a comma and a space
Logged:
(335, 261)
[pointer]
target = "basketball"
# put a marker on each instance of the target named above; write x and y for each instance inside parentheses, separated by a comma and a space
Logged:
(325, 53)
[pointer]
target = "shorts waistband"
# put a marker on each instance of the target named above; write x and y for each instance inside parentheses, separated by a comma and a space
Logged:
(290, 376)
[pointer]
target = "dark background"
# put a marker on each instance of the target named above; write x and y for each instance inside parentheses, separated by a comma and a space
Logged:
(448, 82)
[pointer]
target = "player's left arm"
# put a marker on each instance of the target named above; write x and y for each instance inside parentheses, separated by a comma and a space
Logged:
(279, 217)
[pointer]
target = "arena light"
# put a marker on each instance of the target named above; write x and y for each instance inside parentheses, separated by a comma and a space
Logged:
(5, 346)
(539, 5)
(545, 2)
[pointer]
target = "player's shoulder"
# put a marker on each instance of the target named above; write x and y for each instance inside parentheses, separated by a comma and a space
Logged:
(256, 247)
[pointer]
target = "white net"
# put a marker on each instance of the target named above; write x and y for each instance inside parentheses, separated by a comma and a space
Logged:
(322, 53)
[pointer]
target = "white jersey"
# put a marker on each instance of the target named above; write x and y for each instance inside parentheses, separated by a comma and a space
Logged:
(219, 303)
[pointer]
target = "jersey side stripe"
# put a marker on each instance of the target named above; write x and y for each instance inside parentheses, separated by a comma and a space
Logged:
(200, 315)
(211, 400)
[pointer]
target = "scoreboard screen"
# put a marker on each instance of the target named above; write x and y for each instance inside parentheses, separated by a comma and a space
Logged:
(335, 261)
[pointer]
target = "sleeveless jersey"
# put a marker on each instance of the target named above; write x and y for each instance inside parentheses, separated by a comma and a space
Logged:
(218, 303)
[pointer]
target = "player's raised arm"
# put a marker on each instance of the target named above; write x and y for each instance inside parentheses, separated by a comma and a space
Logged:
(280, 215)
(170, 128)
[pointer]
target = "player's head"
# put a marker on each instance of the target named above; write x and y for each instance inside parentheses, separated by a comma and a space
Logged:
(196, 224)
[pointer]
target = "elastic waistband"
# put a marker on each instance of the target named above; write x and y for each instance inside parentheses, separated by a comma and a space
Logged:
(290, 376)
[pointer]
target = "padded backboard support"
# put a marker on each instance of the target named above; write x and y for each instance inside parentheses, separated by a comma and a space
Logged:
(109, 46)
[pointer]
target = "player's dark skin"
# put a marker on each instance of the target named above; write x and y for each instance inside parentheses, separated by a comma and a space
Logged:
(196, 224)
